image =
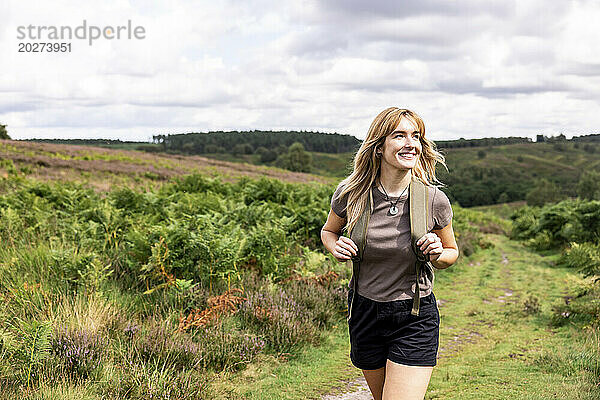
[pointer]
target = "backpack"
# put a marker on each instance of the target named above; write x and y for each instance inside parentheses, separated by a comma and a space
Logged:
(419, 212)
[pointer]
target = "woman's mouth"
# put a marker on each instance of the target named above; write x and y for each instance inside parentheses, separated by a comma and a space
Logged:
(407, 156)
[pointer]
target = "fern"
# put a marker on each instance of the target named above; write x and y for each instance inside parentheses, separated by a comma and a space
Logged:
(7, 344)
(156, 267)
(34, 346)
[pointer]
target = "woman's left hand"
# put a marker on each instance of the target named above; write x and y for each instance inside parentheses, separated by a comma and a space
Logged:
(431, 244)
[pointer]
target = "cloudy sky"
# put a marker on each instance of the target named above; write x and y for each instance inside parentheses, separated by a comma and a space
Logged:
(470, 68)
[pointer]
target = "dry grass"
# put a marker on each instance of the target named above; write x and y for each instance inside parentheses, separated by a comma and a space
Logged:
(92, 314)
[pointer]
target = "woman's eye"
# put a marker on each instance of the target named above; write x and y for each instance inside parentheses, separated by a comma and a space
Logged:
(415, 135)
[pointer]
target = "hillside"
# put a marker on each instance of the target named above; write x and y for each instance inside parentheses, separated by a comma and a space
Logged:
(104, 168)
(478, 176)
(485, 175)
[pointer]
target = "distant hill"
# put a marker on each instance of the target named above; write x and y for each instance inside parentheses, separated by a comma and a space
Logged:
(483, 171)
(104, 168)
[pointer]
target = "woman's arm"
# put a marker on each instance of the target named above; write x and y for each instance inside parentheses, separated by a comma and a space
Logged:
(341, 247)
(449, 248)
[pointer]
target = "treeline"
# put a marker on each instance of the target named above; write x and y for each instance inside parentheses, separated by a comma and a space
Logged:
(251, 142)
(595, 137)
(491, 141)
(248, 142)
(274, 143)
(86, 142)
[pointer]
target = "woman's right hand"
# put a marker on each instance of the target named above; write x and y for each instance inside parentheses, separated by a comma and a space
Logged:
(345, 249)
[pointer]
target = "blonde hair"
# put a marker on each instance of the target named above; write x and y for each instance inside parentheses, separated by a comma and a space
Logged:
(367, 165)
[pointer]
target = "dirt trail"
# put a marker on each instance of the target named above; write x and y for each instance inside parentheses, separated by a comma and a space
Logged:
(355, 390)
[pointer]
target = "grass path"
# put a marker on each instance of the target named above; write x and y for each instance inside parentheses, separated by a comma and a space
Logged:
(490, 348)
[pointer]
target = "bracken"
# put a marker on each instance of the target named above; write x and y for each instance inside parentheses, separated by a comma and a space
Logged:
(224, 304)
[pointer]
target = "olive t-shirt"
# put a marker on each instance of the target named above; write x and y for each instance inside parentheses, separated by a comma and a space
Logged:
(387, 272)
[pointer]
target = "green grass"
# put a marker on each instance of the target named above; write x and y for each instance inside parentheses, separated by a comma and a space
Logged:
(315, 370)
(513, 355)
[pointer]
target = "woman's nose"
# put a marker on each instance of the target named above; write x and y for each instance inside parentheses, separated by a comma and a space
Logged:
(412, 141)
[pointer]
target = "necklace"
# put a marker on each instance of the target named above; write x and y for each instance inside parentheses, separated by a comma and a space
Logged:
(393, 208)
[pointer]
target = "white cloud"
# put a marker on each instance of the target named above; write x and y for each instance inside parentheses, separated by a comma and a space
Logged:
(471, 69)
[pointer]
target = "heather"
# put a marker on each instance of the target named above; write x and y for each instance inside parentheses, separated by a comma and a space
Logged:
(145, 294)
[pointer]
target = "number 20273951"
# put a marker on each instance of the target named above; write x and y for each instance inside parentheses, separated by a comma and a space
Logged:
(44, 47)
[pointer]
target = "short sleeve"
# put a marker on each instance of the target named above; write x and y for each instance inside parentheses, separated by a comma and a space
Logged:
(339, 205)
(442, 210)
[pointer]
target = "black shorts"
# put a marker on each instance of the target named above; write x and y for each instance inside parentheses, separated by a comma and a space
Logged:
(387, 330)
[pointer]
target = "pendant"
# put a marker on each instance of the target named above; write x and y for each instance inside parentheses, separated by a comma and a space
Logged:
(393, 210)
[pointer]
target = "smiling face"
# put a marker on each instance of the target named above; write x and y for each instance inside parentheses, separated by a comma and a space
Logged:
(402, 147)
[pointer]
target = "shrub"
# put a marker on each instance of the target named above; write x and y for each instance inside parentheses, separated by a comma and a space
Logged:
(266, 155)
(296, 159)
(78, 353)
(161, 345)
(585, 257)
(145, 381)
(276, 315)
(324, 303)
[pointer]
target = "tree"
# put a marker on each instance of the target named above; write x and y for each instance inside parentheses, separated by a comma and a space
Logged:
(3, 132)
(503, 198)
(238, 149)
(543, 192)
(296, 159)
(588, 187)
(212, 148)
(266, 155)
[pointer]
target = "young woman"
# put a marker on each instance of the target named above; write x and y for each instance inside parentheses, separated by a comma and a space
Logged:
(395, 349)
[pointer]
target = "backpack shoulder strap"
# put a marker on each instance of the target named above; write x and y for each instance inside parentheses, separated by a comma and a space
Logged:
(359, 232)
(419, 213)
(359, 236)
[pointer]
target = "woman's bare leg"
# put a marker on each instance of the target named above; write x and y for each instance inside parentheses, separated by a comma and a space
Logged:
(375, 379)
(405, 382)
